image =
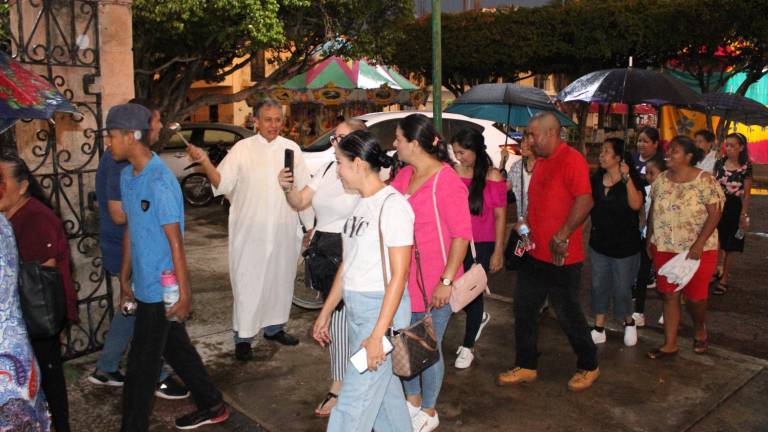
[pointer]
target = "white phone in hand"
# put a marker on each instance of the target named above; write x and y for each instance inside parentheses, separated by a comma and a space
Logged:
(360, 358)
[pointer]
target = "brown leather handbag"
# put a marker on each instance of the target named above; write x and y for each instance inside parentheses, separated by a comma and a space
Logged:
(415, 347)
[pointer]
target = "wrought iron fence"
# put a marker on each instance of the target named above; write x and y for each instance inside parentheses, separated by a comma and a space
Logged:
(60, 40)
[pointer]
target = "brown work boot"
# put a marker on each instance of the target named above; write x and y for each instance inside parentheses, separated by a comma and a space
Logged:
(583, 380)
(516, 375)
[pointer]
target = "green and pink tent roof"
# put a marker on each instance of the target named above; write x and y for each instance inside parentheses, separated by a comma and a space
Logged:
(352, 74)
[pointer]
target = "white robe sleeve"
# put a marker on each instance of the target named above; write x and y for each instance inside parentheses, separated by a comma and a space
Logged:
(229, 170)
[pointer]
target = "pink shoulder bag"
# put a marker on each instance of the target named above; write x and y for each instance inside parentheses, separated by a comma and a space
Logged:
(474, 281)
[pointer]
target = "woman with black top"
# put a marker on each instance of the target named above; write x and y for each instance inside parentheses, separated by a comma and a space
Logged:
(614, 244)
(734, 173)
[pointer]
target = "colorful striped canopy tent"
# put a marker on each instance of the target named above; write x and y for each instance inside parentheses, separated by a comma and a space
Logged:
(336, 81)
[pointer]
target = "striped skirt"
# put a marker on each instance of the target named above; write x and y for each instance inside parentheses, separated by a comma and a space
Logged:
(339, 344)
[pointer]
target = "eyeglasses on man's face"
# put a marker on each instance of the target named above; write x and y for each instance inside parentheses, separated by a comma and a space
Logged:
(336, 139)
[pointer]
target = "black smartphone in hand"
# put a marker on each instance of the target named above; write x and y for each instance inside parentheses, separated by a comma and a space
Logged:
(289, 159)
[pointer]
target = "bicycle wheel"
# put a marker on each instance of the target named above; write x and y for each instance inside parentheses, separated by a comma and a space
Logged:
(197, 190)
(304, 296)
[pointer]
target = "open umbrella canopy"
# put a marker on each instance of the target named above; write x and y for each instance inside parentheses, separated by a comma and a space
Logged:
(505, 103)
(631, 86)
(736, 108)
(26, 95)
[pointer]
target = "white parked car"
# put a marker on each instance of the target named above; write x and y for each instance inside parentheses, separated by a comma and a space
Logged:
(383, 125)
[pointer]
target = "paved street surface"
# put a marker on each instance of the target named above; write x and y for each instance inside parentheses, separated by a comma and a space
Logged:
(722, 391)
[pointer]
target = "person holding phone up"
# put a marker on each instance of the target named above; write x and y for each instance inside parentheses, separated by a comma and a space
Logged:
(377, 239)
(263, 247)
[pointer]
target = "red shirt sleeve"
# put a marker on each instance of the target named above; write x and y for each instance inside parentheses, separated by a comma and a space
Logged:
(41, 237)
(37, 240)
(577, 175)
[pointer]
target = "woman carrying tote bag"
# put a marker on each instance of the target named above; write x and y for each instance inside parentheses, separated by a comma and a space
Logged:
(419, 145)
(373, 291)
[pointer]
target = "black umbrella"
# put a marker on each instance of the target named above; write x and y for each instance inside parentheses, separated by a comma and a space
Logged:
(736, 108)
(630, 86)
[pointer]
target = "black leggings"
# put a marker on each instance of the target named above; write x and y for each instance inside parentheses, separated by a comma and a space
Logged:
(476, 308)
(48, 354)
(641, 283)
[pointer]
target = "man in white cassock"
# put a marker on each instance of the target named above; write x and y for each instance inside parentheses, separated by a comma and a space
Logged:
(263, 242)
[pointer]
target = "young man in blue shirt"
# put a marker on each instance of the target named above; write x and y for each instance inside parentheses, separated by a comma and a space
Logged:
(153, 243)
(111, 230)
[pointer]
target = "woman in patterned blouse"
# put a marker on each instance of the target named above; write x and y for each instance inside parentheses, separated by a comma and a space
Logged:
(22, 404)
(734, 173)
(685, 210)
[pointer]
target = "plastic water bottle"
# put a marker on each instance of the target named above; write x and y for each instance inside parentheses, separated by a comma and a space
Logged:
(739, 234)
(170, 290)
(525, 235)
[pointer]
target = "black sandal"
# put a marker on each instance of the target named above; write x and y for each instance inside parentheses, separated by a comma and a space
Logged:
(721, 289)
(658, 354)
(327, 399)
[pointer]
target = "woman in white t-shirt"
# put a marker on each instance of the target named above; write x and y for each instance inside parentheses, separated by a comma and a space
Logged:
(380, 228)
(332, 205)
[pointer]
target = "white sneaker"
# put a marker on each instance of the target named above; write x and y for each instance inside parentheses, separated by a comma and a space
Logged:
(661, 320)
(413, 410)
(639, 319)
(630, 334)
(464, 360)
(424, 422)
(598, 337)
(483, 323)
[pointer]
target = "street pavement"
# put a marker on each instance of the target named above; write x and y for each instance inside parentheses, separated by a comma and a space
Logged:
(724, 390)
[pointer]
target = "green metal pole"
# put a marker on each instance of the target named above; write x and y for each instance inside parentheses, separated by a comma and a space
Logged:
(437, 67)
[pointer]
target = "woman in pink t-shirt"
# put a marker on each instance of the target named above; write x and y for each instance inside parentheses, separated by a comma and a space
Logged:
(488, 207)
(419, 145)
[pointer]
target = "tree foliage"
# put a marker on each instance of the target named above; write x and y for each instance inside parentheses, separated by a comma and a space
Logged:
(179, 42)
(577, 37)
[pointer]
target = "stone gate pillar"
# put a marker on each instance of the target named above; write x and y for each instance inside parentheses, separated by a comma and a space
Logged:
(83, 47)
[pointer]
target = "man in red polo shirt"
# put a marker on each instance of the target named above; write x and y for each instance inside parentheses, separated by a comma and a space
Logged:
(560, 198)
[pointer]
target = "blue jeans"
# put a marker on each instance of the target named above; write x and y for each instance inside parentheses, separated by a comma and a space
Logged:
(429, 382)
(612, 278)
(117, 340)
(270, 330)
(372, 399)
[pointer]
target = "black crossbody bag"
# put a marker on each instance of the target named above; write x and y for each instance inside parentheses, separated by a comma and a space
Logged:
(41, 293)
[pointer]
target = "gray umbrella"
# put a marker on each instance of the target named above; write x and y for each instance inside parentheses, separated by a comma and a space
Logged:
(505, 103)
(736, 108)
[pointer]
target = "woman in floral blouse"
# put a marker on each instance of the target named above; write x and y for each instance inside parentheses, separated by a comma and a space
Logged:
(734, 173)
(686, 208)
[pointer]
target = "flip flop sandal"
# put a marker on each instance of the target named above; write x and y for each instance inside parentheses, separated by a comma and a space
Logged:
(328, 397)
(700, 346)
(721, 289)
(658, 354)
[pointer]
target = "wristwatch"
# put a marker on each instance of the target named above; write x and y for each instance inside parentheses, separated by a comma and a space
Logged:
(445, 281)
